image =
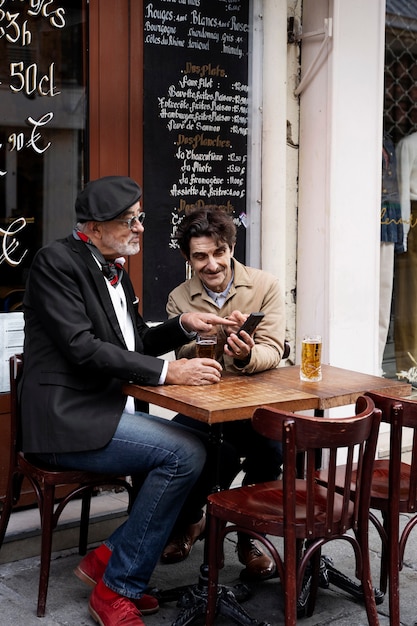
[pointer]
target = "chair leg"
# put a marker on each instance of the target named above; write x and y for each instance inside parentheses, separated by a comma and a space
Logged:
(84, 522)
(214, 527)
(5, 516)
(12, 497)
(393, 563)
(46, 546)
(385, 555)
(290, 586)
(367, 586)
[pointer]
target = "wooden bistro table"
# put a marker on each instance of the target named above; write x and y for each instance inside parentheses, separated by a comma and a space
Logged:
(236, 397)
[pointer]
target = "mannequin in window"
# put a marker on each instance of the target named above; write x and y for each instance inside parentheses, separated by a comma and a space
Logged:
(391, 238)
(405, 326)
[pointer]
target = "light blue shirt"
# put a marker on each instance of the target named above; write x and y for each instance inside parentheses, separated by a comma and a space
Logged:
(220, 298)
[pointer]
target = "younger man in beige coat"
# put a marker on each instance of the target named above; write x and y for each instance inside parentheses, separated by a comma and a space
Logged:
(222, 285)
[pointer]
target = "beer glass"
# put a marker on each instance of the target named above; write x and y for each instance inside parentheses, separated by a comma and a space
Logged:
(206, 346)
(310, 369)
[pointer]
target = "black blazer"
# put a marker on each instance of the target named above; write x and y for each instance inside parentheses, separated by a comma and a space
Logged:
(75, 357)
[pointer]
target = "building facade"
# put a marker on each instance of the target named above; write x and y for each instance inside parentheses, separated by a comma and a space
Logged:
(77, 82)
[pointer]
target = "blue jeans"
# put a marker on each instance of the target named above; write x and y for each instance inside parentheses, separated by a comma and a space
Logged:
(262, 462)
(171, 459)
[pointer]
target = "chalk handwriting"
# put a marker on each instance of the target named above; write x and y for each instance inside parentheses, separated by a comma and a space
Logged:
(10, 243)
(30, 79)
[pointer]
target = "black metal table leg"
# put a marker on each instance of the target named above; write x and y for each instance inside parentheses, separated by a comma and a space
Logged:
(330, 575)
(192, 599)
(339, 580)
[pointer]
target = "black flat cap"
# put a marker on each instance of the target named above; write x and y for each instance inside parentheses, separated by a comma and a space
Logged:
(105, 198)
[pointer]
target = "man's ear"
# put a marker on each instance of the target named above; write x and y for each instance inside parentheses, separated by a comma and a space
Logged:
(232, 249)
(94, 230)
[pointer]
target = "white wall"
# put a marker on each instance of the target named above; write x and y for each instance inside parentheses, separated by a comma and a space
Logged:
(278, 163)
(339, 182)
(273, 250)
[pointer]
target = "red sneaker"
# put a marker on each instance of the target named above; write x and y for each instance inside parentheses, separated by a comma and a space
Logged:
(91, 569)
(109, 609)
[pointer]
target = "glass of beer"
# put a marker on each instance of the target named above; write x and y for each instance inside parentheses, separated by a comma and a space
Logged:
(310, 369)
(206, 346)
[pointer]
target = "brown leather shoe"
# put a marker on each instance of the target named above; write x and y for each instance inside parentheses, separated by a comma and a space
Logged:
(259, 566)
(179, 546)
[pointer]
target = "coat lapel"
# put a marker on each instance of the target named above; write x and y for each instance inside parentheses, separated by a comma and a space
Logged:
(93, 269)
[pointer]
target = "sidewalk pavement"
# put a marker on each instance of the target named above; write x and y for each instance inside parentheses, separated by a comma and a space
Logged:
(68, 598)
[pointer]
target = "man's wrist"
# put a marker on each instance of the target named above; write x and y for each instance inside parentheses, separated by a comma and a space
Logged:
(163, 375)
(241, 363)
(191, 334)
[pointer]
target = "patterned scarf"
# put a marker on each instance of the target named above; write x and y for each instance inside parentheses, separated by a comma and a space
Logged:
(112, 270)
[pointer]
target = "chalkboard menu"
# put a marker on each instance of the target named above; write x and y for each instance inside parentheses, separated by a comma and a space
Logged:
(195, 128)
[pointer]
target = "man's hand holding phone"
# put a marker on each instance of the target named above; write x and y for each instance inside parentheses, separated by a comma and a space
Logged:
(249, 326)
(240, 344)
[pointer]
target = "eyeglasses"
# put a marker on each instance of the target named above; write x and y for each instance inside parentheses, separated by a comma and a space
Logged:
(132, 220)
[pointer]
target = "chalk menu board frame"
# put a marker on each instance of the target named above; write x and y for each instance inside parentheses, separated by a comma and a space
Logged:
(196, 73)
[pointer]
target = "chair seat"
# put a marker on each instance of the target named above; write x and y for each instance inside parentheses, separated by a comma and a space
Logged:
(54, 475)
(379, 491)
(380, 484)
(261, 506)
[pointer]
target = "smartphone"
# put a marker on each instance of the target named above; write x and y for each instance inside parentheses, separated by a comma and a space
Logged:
(251, 323)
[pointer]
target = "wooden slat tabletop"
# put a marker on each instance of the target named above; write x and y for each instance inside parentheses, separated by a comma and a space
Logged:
(237, 396)
(340, 387)
(234, 397)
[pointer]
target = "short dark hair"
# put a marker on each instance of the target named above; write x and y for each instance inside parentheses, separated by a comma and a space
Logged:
(209, 222)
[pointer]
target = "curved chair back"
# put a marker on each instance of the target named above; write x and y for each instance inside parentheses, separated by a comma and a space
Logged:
(298, 509)
(394, 492)
(44, 480)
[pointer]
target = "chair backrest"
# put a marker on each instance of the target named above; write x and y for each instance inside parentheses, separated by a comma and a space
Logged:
(400, 413)
(357, 435)
(287, 350)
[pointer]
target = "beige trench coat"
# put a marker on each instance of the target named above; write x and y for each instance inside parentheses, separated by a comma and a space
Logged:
(252, 290)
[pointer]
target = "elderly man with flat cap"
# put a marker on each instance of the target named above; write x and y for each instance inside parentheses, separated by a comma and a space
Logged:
(84, 338)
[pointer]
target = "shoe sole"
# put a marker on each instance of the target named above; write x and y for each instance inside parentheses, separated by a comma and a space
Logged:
(95, 616)
(92, 583)
(84, 577)
(253, 578)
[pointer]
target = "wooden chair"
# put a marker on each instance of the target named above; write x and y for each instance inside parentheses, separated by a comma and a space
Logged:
(44, 479)
(393, 492)
(300, 511)
(287, 350)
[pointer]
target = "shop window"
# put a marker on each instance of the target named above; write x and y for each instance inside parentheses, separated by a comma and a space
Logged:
(400, 106)
(42, 131)
(400, 126)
